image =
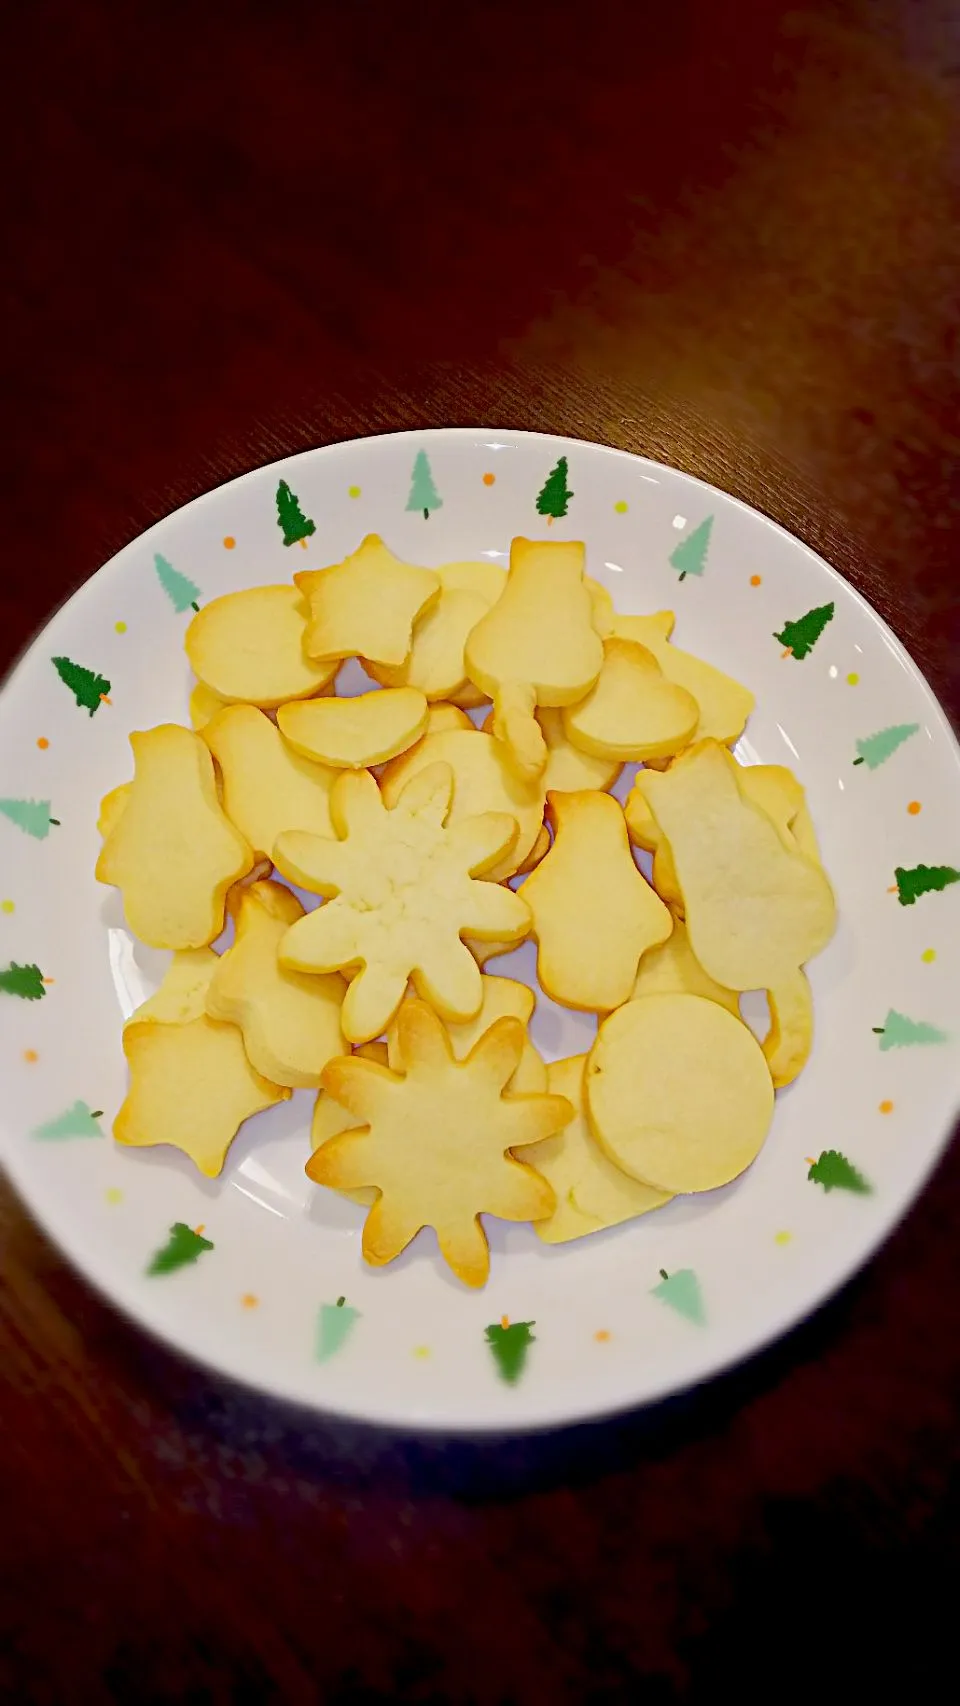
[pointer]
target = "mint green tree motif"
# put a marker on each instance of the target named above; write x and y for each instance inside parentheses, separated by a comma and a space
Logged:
(88, 688)
(23, 981)
(293, 524)
(183, 1246)
(835, 1173)
(555, 494)
(874, 750)
(509, 1342)
(690, 556)
(182, 593)
(681, 1291)
(923, 879)
(334, 1326)
(897, 1031)
(32, 816)
(423, 492)
(799, 638)
(78, 1121)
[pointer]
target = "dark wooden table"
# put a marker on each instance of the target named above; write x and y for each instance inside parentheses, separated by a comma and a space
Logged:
(722, 234)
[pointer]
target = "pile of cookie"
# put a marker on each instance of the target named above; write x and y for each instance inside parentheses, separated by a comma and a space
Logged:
(412, 820)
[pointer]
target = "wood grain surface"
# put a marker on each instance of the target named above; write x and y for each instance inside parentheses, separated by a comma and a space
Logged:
(721, 234)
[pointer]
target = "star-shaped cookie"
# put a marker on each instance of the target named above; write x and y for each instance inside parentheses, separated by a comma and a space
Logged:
(403, 890)
(433, 1142)
(366, 606)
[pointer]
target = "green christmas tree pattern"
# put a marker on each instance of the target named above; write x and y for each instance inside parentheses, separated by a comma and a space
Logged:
(509, 1341)
(423, 492)
(24, 981)
(32, 816)
(78, 1121)
(799, 638)
(293, 524)
(874, 750)
(554, 496)
(334, 1326)
(88, 688)
(897, 1031)
(923, 879)
(835, 1173)
(681, 1291)
(182, 1247)
(690, 556)
(182, 593)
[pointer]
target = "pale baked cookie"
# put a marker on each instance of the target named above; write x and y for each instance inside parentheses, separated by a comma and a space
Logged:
(484, 780)
(435, 1141)
(755, 911)
(502, 998)
(591, 1192)
(352, 734)
(536, 646)
(247, 648)
(403, 886)
(290, 1022)
(678, 1092)
(633, 711)
(593, 913)
(365, 606)
(267, 787)
(172, 852)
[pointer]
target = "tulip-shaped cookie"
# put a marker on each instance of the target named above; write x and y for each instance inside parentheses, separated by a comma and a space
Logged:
(290, 1022)
(724, 705)
(434, 1141)
(365, 606)
(403, 888)
(594, 914)
(267, 787)
(191, 1084)
(484, 780)
(678, 1092)
(591, 1192)
(633, 711)
(247, 647)
(350, 734)
(755, 910)
(172, 852)
(537, 646)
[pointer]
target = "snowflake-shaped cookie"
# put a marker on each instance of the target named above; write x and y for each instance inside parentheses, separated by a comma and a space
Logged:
(404, 891)
(433, 1142)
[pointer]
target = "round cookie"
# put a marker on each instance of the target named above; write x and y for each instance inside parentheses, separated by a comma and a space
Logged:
(678, 1092)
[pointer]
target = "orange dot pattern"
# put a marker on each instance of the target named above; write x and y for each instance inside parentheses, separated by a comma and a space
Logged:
(914, 807)
(229, 542)
(886, 1107)
(43, 743)
(756, 580)
(489, 479)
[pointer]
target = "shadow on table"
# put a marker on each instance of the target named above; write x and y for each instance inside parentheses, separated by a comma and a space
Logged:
(491, 1467)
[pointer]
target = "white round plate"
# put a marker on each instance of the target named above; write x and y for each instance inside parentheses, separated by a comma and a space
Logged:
(593, 1325)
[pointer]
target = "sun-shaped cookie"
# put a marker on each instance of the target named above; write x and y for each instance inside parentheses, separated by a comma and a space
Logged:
(403, 890)
(433, 1142)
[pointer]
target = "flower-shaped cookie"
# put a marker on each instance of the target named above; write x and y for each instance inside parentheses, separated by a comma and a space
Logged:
(403, 891)
(434, 1141)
